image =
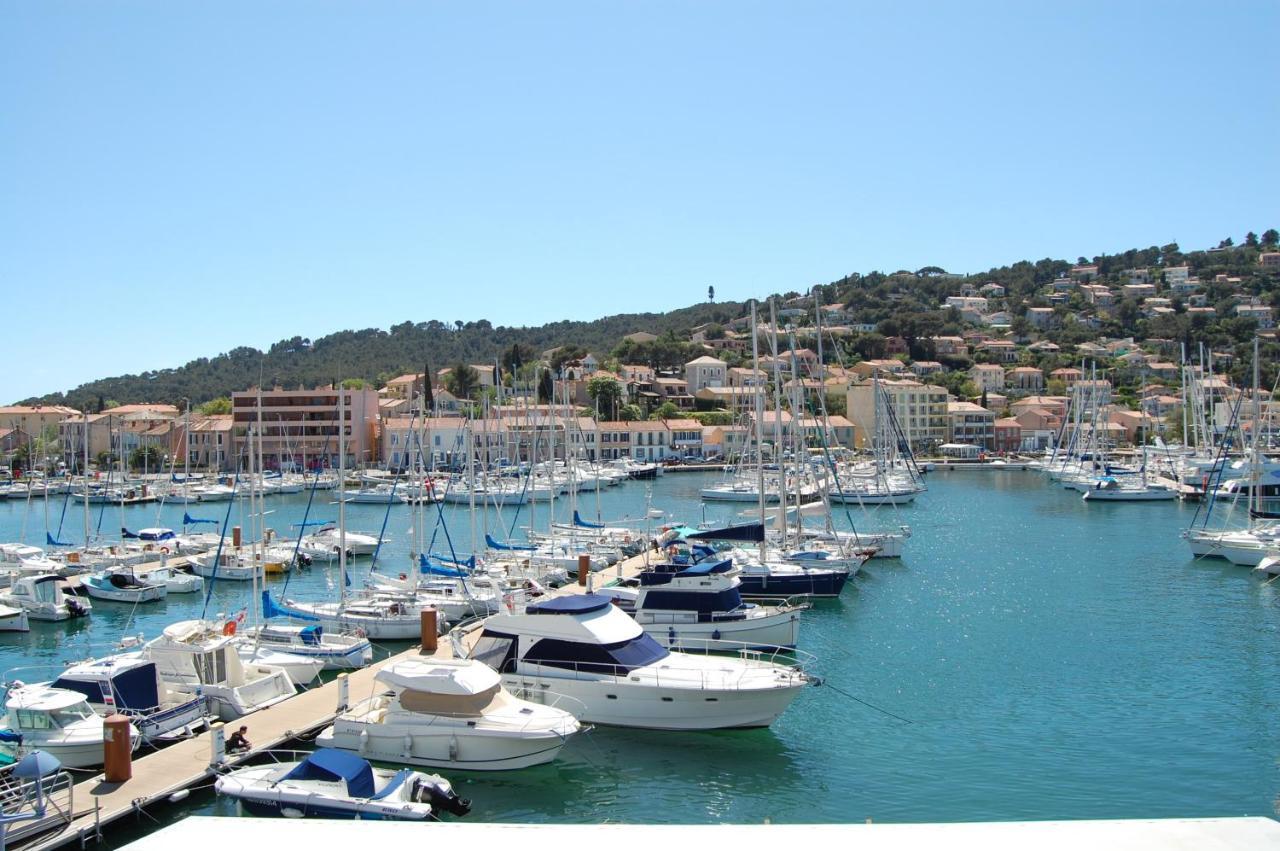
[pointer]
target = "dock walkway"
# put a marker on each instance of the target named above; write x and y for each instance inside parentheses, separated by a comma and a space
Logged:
(158, 775)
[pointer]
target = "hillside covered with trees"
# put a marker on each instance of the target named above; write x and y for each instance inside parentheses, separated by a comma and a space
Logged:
(902, 304)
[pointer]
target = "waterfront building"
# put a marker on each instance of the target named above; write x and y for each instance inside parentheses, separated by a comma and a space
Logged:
(300, 427)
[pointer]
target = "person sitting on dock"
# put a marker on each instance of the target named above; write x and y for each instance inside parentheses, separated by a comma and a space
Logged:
(238, 743)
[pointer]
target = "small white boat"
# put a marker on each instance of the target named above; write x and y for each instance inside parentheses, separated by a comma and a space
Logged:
(176, 581)
(43, 600)
(13, 619)
(1111, 489)
(238, 566)
(1270, 564)
(380, 617)
(59, 721)
(335, 784)
(334, 650)
(327, 540)
(450, 713)
(122, 587)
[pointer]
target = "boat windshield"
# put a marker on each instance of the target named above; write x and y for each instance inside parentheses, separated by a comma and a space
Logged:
(619, 658)
(71, 714)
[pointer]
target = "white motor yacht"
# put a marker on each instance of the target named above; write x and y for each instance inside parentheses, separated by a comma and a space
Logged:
(326, 540)
(584, 647)
(450, 713)
(59, 721)
(200, 657)
(699, 608)
(42, 598)
(132, 686)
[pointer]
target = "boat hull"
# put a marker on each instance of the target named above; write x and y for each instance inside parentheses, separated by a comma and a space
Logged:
(446, 748)
(623, 704)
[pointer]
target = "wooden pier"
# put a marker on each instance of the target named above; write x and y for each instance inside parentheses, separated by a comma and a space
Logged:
(191, 762)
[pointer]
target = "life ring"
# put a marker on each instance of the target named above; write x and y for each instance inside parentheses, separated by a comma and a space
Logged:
(229, 628)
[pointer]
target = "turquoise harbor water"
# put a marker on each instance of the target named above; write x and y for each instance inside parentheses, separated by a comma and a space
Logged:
(1054, 659)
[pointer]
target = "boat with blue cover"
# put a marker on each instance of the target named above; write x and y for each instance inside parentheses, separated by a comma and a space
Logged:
(133, 687)
(584, 647)
(699, 607)
(334, 784)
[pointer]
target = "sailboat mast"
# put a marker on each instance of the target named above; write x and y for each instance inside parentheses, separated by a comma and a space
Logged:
(342, 496)
(759, 409)
(259, 481)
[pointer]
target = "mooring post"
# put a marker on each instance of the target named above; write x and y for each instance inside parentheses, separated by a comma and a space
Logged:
(344, 689)
(217, 744)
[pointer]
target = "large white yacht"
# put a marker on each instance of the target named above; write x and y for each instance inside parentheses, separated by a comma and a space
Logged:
(584, 647)
(450, 713)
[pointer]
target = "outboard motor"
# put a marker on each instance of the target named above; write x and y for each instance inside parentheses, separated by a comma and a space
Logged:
(76, 609)
(438, 792)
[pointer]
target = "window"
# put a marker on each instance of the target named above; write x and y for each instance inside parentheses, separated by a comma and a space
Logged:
(496, 651)
(618, 659)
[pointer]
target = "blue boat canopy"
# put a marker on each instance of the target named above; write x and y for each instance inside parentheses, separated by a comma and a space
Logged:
(574, 604)
(330, 764)
(707, 568)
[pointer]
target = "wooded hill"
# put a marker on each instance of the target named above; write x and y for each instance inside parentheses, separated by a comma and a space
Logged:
(903, 303)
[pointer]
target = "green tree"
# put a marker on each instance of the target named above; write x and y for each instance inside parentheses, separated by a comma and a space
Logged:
(630, 413)
(666, 411)
(462, 380)
(1270, 237)
(546, 388)
(1251, 239)
(146, 457)
(711, 293)
(221, 405)
(355, 384)
(605, 393)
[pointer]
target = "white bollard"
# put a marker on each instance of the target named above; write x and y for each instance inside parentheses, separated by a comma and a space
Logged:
(344, 690)
(217, 744)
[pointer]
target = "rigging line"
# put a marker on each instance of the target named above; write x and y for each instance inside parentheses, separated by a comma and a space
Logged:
(217, 557)
(382, 533)
(306, 515)
(868, 704)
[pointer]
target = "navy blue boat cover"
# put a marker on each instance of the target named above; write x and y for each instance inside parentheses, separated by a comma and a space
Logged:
(574, 604)
(330, 764)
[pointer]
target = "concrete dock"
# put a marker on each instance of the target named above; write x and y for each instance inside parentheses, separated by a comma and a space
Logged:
(191, 762)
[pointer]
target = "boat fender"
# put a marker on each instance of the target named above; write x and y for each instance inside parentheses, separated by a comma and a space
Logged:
(453, 748)
(715, 634)
(408, 745)
(364, 741)
(179, 796)
(290, 812)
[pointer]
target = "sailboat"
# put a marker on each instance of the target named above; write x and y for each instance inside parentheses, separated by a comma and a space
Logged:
(1257, 541)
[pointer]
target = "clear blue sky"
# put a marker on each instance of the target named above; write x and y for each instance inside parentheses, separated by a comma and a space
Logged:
(177, 179)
